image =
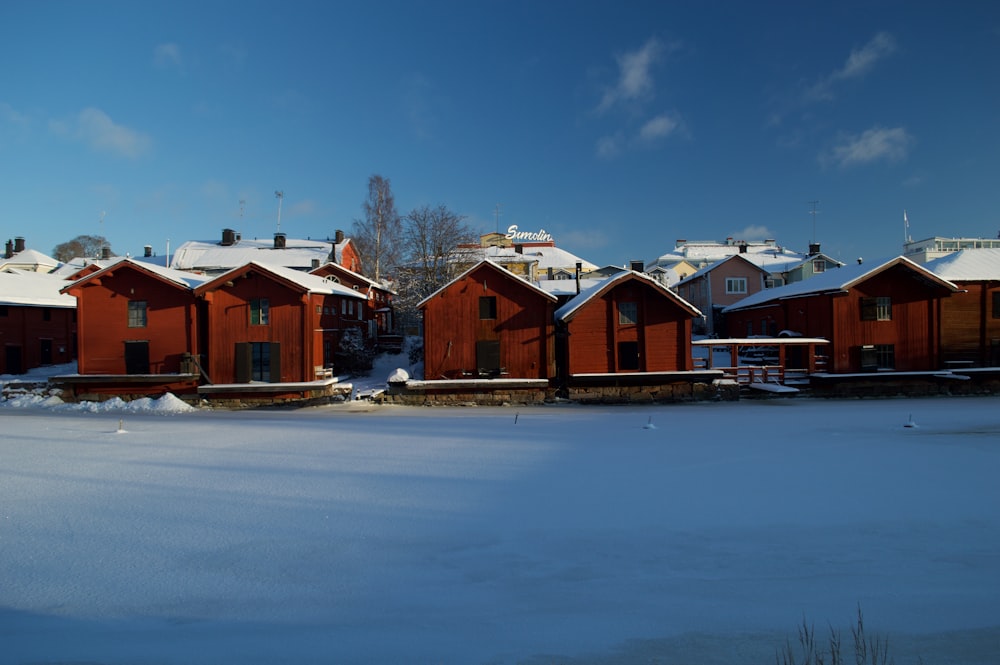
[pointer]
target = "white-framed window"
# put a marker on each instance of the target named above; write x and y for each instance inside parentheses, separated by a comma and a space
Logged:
(876, 309)
(136, 313)
(736, 285)
(819, 265)
(260, 312)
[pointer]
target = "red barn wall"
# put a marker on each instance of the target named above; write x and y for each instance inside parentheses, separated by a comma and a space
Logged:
(293, 323)
(23, 329)
(523, 326)
(663, 332)
(969, 331)
(102, 303)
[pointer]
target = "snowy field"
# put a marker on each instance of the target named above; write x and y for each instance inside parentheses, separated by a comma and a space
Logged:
(560, 534)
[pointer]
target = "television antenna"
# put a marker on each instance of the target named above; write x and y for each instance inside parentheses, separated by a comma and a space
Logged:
(280, 195)
(814, 212)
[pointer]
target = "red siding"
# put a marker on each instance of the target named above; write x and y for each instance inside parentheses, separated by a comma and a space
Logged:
(293, 323)
(969, 331)
(523, 326)
(24, 330)
(663, 332)
(102, 305)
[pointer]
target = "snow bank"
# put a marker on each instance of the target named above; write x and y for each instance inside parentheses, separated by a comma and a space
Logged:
(166, 404)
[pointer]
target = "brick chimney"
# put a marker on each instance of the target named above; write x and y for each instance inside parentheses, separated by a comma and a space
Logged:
(636, 266)
(279, 240)
(147, 251)
(338, 236)
(228, 237)
(18, 245)
(9, 251)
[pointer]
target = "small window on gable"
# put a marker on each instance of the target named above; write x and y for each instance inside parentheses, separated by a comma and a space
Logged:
(487, 307)
(819, 265)
(876, 309)
(136, 313)
(260, 312)
(628, 313)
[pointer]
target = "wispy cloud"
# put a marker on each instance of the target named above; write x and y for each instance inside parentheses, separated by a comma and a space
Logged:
(876, 144)
(858, 64)
(609, 147)
(9, 115)
(96, 128)
(167, 56)
(634, 76)
(659, 127)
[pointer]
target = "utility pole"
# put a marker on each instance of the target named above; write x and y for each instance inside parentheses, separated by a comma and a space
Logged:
(814, 212)
(280, 195)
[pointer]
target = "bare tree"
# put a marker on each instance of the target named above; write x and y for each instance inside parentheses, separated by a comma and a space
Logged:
(378, 235)
(81, 246)
(432, 239)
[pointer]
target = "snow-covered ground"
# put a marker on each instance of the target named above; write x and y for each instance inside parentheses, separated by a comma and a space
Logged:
(355, 533)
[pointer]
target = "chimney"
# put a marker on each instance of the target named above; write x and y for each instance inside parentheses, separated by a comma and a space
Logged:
(9, 252)
(18, 245)
(743, 248)
(228, 237)
(549, 272)
(315, 264)
(105, 252)
(637, 266)
(279, 240)
(813, 248)
(147, 251)
(338, 236)
(579, 267)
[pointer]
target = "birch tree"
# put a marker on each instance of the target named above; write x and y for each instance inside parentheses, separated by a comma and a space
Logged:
(378, 236)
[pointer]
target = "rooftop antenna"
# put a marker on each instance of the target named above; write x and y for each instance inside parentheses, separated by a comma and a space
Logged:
(279, 194)
(243, 209)
(814, 212)
(100, 252)
(906, 229)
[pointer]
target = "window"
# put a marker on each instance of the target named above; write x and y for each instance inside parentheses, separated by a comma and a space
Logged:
(46, 314)
(3, 310)
(876, 309)
(996, 305)
(136, 313)
(878, 357)
(628, 313)
(819, 265)
(487, 307)
(736, 285)
(260, 312)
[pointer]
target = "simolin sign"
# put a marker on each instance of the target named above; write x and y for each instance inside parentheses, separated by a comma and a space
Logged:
(521, 236)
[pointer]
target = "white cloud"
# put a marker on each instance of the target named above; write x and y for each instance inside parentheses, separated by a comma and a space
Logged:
(609, 147)
(875, 144)
(659, 127)
(634, 78)
(167, 55)
(10, 116)
(95, 128)
(858, 63)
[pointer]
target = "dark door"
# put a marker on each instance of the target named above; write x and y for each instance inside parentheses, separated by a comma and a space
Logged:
(45, 352)
(14, 360)
(628, 356)
(488, 357)
(137, 357)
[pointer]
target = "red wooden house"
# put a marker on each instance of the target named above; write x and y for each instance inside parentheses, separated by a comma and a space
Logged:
(135, 318)
(488, 322)
(881, 317)
(273, 324)
(37, 322)
(970, 319)
(628, 322)
(378, 314)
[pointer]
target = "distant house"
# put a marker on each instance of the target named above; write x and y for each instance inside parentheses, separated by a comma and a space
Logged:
(970, 319)
(37, 322)
(17, 257)
(628, 322)
(233, 251)
(135, 318)
(378, 315)
(936, 247)
(719, 285)
(488, 322)
(273, 324)
(815, 264)
(877, 317)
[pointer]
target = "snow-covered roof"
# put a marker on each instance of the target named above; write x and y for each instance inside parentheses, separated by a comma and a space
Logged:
(188, 280)
(30, 259)
(33, 289)
(567, 287)
(546, 256)
(356, 275)
(568, 310)
(835, 280)
(75, 265)
(308, 282)
(499, 268)
(214, 257)
(968, 265)
(766, 254)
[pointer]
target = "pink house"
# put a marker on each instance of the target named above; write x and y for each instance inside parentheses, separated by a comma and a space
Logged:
(719, 285)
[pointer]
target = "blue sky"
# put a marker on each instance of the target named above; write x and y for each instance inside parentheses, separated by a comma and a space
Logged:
(616, 127)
